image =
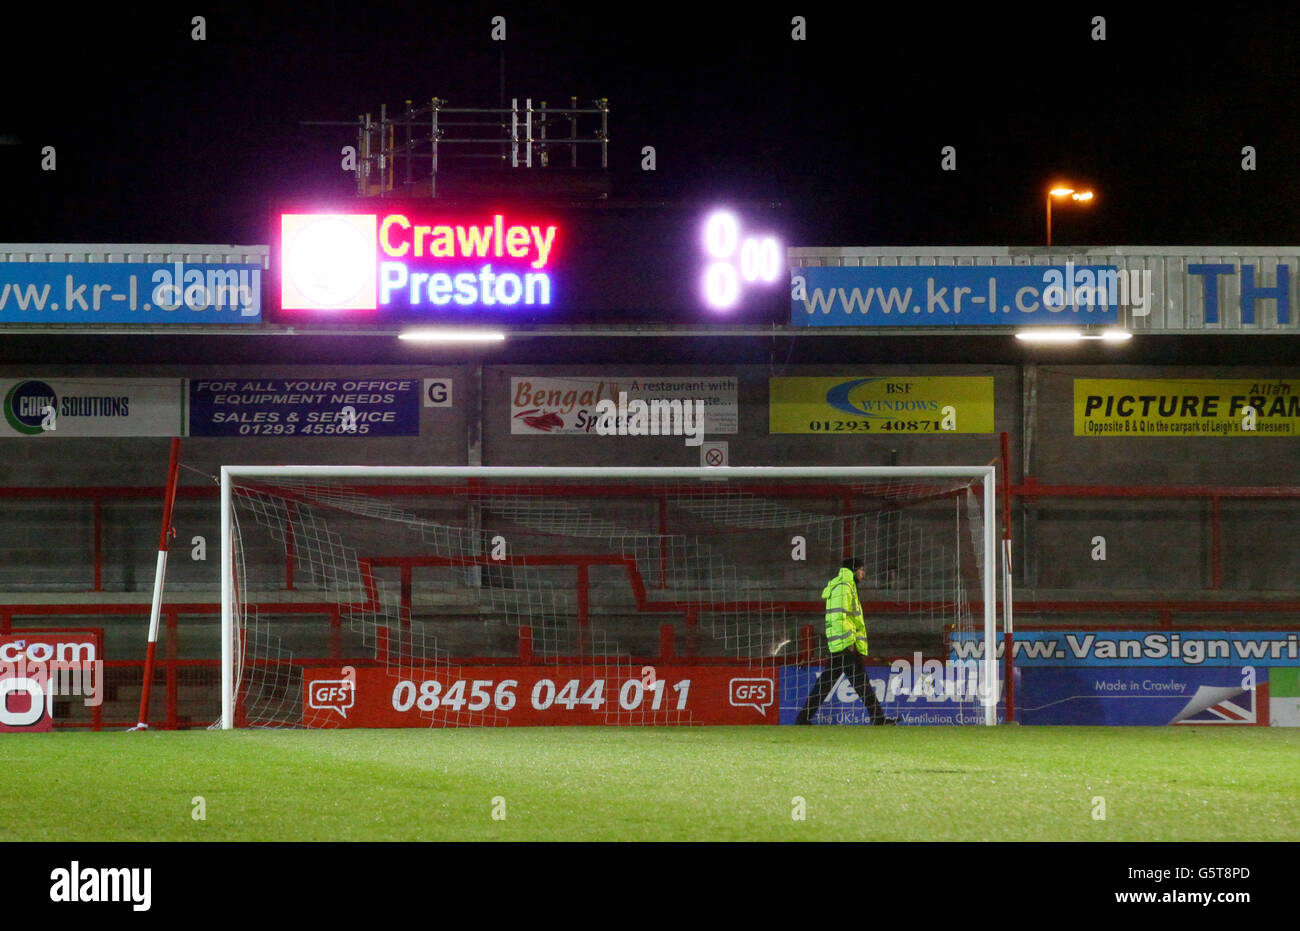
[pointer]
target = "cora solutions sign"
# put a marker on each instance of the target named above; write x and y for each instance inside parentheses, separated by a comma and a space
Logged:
(417, 259)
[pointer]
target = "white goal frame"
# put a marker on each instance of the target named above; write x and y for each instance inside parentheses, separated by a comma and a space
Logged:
(986, 475)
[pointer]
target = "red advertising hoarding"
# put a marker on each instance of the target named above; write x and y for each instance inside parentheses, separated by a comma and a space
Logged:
(538, 695)
(37, 665)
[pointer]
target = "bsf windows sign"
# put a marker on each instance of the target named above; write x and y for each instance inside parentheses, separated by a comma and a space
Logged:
(881, 404)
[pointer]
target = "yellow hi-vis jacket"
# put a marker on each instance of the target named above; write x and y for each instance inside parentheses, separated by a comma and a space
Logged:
(845, 626)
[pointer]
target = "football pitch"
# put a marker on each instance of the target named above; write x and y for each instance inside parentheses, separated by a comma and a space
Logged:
(656, 784)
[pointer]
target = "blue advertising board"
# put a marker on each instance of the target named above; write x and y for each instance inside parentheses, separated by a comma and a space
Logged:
(130, 292)
(930, 693)
(1185, 648)
(1142, 696)
(298, 407)
(965, 295)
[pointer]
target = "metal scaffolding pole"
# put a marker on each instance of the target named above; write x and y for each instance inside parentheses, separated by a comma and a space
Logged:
(379, 149)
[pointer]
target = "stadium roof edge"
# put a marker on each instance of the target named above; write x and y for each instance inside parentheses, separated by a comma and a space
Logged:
(847, 251)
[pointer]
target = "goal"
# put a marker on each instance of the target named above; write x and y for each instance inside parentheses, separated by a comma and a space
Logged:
(452, 596)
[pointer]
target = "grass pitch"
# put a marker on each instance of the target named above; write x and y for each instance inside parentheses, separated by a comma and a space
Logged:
(656, 784)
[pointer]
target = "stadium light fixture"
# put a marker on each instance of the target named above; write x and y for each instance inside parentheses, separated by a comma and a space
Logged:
(452, 335)
(1049, 336)
(1061, 190)
(1072, 336)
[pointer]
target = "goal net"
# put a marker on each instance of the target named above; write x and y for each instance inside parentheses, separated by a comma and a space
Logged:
(452, 596)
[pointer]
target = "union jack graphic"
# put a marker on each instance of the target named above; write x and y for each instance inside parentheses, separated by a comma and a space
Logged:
(1225, 705)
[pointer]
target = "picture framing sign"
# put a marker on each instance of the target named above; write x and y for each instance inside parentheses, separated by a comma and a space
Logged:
(1186, 407)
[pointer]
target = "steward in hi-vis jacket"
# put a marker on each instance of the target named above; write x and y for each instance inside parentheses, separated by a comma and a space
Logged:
(846, 638)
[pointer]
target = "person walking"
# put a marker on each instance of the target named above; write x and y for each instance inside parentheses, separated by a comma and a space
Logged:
(846, 638)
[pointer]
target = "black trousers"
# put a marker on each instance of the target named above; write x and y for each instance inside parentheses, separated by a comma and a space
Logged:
(844, 663)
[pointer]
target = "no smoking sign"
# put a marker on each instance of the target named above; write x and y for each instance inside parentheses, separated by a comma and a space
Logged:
(713, 454)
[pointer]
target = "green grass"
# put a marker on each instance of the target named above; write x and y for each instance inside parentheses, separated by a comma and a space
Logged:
(652, 784)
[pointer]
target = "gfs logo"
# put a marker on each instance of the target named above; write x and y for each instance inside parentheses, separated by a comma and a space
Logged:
(334, 694)
(751, 693)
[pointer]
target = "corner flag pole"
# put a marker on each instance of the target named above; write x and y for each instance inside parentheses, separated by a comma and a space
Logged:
(169, 498)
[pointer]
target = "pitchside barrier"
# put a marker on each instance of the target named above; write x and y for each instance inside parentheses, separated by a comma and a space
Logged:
(83, 557)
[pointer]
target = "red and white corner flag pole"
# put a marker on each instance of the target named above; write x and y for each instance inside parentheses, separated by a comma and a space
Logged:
(169, 498)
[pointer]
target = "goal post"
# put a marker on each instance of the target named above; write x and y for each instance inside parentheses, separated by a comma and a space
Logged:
(578, 564)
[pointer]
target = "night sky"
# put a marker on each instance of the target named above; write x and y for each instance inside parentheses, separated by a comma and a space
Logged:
(163, 139)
